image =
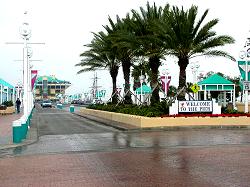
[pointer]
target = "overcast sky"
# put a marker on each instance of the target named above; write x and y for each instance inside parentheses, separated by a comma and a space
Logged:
(65, 26)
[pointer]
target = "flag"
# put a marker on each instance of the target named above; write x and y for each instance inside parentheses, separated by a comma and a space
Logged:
(166, 79)
(33, 78)
(242, 68)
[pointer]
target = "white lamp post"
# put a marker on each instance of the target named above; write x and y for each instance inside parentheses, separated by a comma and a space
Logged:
(195, 68)
(165, 73)
(245, 54)
(142, 78)
(25, 33)
(30, 95)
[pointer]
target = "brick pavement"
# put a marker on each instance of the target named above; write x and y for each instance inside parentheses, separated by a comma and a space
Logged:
(193, 166)
(6, 127)
(6, 140)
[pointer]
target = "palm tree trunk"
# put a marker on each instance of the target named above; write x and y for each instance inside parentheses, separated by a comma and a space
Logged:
(183, 62)
(126, 64)
(114, 73)
(154, 64)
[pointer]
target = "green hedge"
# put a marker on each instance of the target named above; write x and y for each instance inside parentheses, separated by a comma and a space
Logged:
(156, 110)
(7, 103)
(149, 111)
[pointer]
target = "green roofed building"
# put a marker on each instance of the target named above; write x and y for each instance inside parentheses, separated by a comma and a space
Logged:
(49, 87)
(217, 83)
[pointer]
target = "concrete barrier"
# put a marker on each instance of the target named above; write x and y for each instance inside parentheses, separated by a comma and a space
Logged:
(59, 106)
(24, 124)
(17, 131)
(72, 108)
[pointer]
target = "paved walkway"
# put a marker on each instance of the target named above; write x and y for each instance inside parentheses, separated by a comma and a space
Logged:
(6, 127)
(6, 140)
(215, 166)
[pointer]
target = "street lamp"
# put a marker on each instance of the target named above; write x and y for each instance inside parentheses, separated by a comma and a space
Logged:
(25, 33)
(165, 72)
(142, 78)
(194, 68)
(244, 55)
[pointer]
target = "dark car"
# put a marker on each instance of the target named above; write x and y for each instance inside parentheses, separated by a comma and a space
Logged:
(46, 103)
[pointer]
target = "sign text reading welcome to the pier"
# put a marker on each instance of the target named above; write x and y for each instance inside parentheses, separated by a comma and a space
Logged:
(195, 106)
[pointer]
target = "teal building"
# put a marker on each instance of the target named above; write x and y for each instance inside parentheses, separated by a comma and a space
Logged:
(7, 91)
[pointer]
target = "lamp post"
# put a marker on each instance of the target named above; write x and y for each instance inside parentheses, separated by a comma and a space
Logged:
(25, 33)
(165, 73)
(194, 68)
(142, 78)
(244, 55)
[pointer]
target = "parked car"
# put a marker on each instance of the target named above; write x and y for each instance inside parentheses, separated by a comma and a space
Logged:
(46, 103)
(97, 101)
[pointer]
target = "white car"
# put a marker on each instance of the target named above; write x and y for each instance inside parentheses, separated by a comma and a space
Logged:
(46, 103)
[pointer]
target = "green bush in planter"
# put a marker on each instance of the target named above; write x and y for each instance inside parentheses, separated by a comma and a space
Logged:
(155, 110)
(8, 103)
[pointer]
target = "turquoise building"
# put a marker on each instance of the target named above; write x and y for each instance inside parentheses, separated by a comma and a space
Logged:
(7, 91)
(49, 87)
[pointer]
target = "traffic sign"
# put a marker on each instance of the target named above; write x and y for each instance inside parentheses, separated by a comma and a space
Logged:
(246, 85)
(195, 88)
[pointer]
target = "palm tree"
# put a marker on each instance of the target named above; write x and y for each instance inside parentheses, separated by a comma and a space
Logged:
(119, 33)
(150, 44)
(101, 55)
(185, 38)
(124, 54)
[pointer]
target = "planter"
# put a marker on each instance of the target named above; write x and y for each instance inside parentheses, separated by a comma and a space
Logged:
(10, 110)
(150, 122)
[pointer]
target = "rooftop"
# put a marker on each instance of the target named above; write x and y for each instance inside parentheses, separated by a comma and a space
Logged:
(4, 83)
(52, 79)
(215, 79)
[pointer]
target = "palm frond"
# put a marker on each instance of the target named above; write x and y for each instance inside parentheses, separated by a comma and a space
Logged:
(217, 53)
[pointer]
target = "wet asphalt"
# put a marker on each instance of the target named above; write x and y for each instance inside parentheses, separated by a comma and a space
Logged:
(74, 151)
(62, 132)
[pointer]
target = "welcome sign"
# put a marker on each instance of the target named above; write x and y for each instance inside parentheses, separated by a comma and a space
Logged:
(195, 106)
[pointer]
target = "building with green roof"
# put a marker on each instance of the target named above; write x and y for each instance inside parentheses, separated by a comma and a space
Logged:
(49, 87)
(217, 83)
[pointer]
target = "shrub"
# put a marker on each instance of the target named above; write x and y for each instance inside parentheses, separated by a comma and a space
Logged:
(7, 103)
(157, 109)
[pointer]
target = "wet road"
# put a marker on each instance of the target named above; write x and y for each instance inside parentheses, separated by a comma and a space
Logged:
(73, 151)
(60, 131)
(59, 122)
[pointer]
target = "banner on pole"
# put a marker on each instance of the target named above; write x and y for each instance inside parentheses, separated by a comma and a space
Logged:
(33, 78)
(242, 68)
(165, 80)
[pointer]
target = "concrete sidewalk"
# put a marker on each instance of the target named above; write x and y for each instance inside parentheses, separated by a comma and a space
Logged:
(6, 140)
